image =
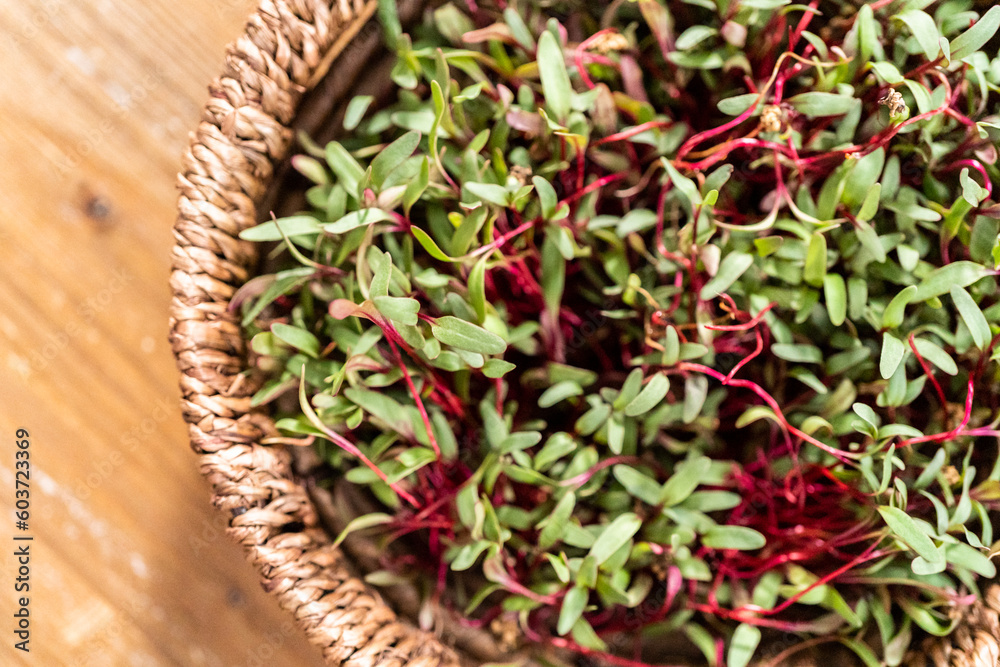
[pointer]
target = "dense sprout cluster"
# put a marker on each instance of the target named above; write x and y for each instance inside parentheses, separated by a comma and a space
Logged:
(662, 316)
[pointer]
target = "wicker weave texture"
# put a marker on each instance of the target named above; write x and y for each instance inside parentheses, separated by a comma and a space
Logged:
(244, 133)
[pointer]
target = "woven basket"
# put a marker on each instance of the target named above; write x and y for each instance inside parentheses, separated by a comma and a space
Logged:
(236, 155)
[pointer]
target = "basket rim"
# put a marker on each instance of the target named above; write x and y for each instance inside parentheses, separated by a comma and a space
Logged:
(286, 48)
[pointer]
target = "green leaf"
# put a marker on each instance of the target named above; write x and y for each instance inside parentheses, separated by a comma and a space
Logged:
(355, 219)
(923, 617)
(297, 337)
(413, 459)
(519, 29)
(893, 315)
(965, 556)
(488, 192)
(641, 486)
(909, 532)
(381, 265)
(296, 225)
(693, 36)
(712, 501)
(685, 479)
(733, 266)
(924, 29)
(815, 268)
(889, 73)
(764, 4)
(972, 316)
(697, 59)
(584, 635)
(821, 104)
(867, 413)
(800, 354)
(399, 309)
(972, 192)
(695, 392)
(415, 188)
(559, 392)
(685, 185)
(347, 170)
(893, 350)
(614, 536)
(392, 156)
(283, 282)
(547, 197)
(311, 168)
(527, 475)
(742, 645)
(496, 368)
(862, 176)
(936, 355)
(574, 602)
(861, 650)
(424, 239)
(553, 278)
(616, 433)
(870, 241)
(740, 538)
(554, 527)
(356, 109)
(630, 389)
(557, 446)
(809, 379)
(977, 36)
(920, 95)
(867, 37)
(870, 205)
(559, 565)
(650, 396)
(593, 419)
(940, 281)
(931, 470)
(477, 288)
(445, 436)
(467, 336)
(817, 43)
(388, 17)
(381, 406)
(734, 106)
(555, 79)
(835, 295)
(768, 245)
(468, 555)
(360, 523)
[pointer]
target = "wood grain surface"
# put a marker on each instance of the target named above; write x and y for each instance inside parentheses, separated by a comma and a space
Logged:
(129, 564)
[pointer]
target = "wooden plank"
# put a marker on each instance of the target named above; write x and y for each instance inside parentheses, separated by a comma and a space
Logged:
(129, 562)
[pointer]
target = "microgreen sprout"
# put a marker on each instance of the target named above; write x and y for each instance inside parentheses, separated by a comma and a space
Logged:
(662, 317)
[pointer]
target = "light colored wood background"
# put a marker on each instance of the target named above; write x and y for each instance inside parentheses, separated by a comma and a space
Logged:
(129, 563)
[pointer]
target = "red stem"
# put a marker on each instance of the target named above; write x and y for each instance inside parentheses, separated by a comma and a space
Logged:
(927, 370)
(416, 399)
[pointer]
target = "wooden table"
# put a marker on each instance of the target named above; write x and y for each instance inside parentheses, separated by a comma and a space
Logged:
(129, 564)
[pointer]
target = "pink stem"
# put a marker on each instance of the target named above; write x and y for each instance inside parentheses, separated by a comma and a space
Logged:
(746, 325)
(927, 370)
(978, 167)
(948, 435)
(632, 131)
(584, 477)
(841, 456)
(417, 400)
(581, 50)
